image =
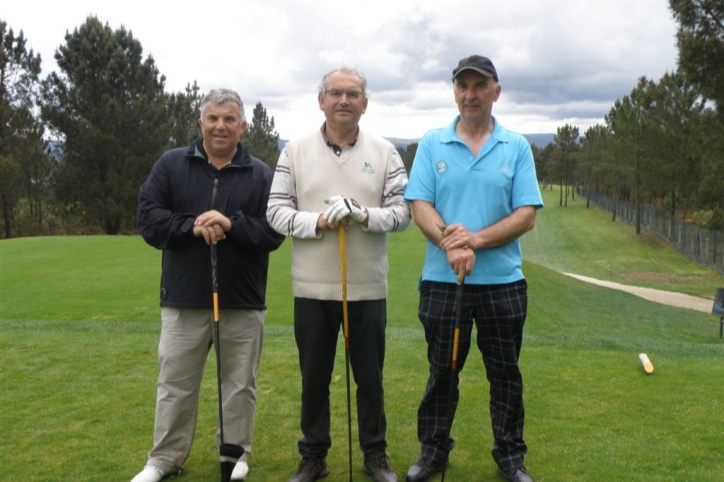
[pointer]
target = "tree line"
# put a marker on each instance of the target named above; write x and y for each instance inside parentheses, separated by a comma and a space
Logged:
(76, 146)
(663, 143)
(107, 110)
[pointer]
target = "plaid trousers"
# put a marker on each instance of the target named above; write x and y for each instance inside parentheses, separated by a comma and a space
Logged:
(499, 312)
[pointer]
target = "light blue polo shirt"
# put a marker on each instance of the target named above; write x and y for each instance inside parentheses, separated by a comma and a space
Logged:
(477, 192)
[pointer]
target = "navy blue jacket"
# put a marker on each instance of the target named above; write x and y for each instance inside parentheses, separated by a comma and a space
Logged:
(179, 188)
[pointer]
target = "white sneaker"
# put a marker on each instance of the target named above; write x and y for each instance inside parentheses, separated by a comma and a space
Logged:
(241, 469)
(152, 474)
(149, 474)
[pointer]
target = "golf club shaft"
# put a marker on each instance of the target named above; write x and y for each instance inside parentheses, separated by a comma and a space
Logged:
(454, 365)
(217, 349)
(343, 269)
(217, 340)
(345, 329)
(458, 312)
(228, 453)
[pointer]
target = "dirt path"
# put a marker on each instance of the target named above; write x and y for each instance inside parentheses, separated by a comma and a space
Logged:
(659, 296)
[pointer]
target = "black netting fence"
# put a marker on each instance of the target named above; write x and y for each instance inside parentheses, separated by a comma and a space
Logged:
(701, 245)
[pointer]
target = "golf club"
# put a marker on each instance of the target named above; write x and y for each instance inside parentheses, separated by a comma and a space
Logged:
(228, 453)
(454, 366)
(345, 329)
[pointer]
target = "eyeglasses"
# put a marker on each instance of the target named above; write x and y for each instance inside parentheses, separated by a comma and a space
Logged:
(351, 94)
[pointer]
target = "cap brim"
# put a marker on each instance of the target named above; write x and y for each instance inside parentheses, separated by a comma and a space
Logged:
(480, 71)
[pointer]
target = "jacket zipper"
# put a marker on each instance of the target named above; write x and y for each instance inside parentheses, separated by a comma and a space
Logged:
(213, 193)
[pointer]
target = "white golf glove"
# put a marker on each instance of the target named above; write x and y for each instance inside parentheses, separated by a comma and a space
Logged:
(357, 213)
(337, 209)
(341, 207)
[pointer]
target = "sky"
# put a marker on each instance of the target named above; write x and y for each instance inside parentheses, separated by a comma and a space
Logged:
(559, 61)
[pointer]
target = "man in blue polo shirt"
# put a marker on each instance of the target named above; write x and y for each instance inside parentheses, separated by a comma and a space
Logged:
(474, 192)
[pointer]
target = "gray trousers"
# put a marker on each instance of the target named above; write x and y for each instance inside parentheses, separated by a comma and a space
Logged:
(186, 339)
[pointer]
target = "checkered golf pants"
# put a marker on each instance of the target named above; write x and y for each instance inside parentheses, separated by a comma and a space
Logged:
(499, 312)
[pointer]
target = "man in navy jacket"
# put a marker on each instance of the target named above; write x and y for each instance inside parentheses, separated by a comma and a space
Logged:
(212, 192)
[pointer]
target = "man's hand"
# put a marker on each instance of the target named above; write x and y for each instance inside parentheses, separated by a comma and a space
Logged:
(357, 213)
(456, 236)
(337, 209)
(212, 226)
(211, 234)
(462, 261)
(341, 207)
(323, 225)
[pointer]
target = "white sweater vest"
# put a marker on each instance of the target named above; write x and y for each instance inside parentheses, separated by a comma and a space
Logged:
(359, 172)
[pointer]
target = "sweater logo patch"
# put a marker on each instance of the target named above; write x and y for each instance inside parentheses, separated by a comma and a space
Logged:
(368, 169)
(441, 166)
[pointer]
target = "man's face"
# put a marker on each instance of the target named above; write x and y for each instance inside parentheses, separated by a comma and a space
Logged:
(221, 127)
(343, 102)
(475, 95)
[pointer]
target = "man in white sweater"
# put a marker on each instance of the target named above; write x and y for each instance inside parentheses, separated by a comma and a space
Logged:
(340, 178)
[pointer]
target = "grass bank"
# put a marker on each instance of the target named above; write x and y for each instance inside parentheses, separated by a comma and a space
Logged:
(79, 330)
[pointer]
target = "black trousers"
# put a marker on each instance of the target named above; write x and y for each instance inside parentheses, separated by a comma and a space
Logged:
(316, 328)
(499, 312)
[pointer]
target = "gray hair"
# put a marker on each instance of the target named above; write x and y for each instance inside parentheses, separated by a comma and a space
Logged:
(222, 96)
(344, 70)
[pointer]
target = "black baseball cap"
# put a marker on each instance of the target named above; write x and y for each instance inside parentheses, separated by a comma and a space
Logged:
(479, 64)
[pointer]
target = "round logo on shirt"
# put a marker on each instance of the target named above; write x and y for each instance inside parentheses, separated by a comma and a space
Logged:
(441, 166)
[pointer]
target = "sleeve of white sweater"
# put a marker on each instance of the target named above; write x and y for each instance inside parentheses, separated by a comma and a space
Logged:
(282, 212)
(394, 214)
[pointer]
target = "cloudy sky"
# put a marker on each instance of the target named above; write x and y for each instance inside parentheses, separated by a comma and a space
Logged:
(559, 61)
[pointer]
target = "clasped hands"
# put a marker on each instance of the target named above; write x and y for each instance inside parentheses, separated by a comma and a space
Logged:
(342, 210)
(459, 244)
(212, 226)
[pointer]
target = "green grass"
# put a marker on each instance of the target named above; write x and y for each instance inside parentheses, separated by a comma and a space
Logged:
(79, 331)
(580, 240)
(77, 278)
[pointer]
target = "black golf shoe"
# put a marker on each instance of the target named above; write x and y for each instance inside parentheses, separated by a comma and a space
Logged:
(519, 474)
(380, 470)
(310, 469)
(423, 470)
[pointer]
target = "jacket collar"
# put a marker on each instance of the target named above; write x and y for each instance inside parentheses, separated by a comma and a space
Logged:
(242, 157)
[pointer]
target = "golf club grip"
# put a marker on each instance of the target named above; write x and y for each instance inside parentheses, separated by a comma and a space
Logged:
(343, 269)
(214, 272)
(459, 302)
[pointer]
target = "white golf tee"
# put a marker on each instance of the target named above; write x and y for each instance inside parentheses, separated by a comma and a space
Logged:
(648, 366)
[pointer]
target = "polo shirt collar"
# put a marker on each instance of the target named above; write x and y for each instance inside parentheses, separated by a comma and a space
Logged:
(335, 148)
(499, 134)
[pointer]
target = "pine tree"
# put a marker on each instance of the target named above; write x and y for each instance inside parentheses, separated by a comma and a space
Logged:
(185, 111)
(20, 131)
(109, 106)
(407, 154)
(701, 45)
(260, 138)
(564, 160)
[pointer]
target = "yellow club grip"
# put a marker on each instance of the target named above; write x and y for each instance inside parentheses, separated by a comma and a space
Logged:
(216, 306)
